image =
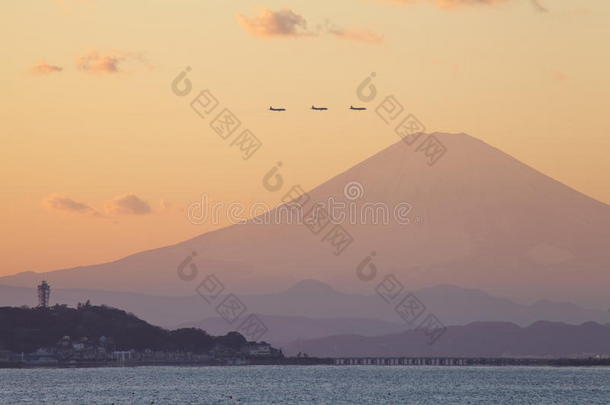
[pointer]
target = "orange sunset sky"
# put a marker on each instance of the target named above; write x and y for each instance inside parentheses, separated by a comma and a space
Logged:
(100, 159)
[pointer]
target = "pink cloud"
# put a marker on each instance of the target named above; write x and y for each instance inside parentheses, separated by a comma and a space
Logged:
(269, 24)
(43, 68)
(286, 23)
(67, 204)
(128, 204)
(109, 63)
(453, 3)
(456, 3)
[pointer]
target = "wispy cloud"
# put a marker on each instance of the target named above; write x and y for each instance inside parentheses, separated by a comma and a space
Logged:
(457, 3)
(128, 204)
(448, 4)
(270, 24)
(95, 63)
(453, 4)
(43, 68)
(355, 34)
(67, 204)
(286, 23)
(109, 63)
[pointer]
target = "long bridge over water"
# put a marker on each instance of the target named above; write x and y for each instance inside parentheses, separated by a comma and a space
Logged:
(469, 361)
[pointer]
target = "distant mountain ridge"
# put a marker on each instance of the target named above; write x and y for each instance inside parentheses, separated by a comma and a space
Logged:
(283, 330)
(486, 221)
(479, 339)
(317, 301)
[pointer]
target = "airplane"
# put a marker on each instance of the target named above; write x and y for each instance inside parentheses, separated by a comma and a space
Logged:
(276, 109)
(351, 107)
(313, 107)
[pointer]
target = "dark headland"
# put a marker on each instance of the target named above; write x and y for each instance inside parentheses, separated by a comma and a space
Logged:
(102, 336)
(90, 336)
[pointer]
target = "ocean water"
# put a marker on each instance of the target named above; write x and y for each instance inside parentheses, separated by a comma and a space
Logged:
(307, 385)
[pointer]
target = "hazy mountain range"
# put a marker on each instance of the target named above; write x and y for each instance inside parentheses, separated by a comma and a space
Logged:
(479, 339)
(284, 330)
(479, 219)
(313, 309)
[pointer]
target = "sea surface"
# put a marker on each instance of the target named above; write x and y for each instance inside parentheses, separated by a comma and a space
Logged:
(306, 385)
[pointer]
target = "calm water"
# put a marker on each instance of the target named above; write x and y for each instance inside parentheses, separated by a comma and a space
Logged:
(307, 385)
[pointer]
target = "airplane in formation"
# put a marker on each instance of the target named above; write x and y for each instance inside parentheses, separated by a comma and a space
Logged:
(313, 107)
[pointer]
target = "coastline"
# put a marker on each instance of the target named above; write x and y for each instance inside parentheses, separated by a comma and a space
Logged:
(340, 362)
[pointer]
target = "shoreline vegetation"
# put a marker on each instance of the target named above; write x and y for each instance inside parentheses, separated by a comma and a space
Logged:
(101, 335)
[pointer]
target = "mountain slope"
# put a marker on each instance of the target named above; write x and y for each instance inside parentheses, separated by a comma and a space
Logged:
(486, 221)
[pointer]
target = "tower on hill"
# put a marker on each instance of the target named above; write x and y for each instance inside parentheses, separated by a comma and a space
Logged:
(44, 293)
